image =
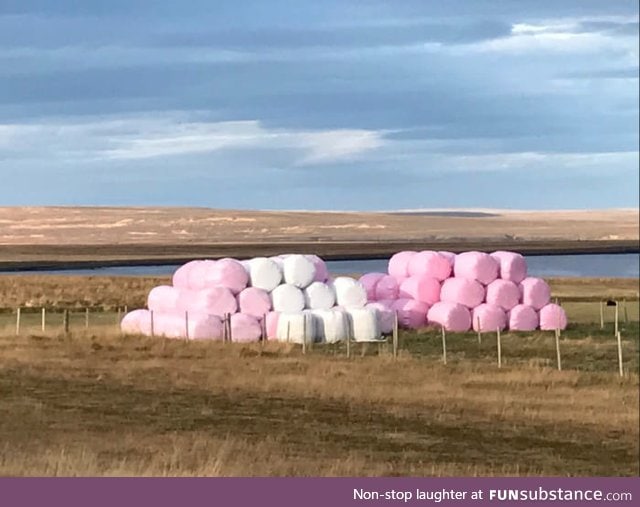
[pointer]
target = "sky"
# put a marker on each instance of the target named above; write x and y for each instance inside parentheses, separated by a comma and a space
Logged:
(339, 104)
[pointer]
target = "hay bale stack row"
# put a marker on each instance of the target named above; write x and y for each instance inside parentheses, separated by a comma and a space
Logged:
(286, 298)
(470, 290)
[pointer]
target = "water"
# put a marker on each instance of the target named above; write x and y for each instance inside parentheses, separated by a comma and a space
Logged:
(587, 265)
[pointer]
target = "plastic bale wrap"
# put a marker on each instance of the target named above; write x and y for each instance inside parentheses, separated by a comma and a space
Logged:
(180, 278)
(204, 327)
(552, 317)
(523, 318)
(478, 266)
(255, 302)
(450, 256)
(246, 264)
(319, 296)
(322, 273)
(214, 301)
(227, 273)
(164, 298)
(464, 291)
(264, 273)
(364, 324)
(399, 264)
(130, 323)
(412, 314)
(350, 293)
(169, 325)
(452, 317)
(287, 298)
(279, 260)
(298, 271)
(488, 318)
(245, 328)
(198, 272)
(503, 293)
(429, 263)
(297, 327)
(512, 265)
(386, 316)
(423, 288)
(535, 292)
(369, 282)
(387, 288)
(271, 325)
(332, 325)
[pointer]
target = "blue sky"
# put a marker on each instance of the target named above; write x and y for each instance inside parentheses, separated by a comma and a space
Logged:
(320, 105)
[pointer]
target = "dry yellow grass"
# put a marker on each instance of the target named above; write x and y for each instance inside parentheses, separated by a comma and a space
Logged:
(106, 405)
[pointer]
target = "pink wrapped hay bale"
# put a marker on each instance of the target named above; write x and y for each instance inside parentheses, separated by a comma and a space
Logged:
(523, 318)
(423, 288)
(227, 273)
(319, 296)
(350, 293)
(450, 256)
(131, 322)
(213, 301)
(387, 288)
(535, 292)
(452, 317)
(429, 263)
(204, 327)
(552, 317)
(478, 266)
(298, 270)
(287, 298)
(255, 302)
(322, 273)
(264, 273)
(386, 316)
(512, 265)
(464, 291)
(198, 273)
(369, 281)
(169, 325)
(180, 278)
(399, 264)
(488, 318)
(503, 293)
(272, 325)
(412, 314)
(245, 328)
(164, 298)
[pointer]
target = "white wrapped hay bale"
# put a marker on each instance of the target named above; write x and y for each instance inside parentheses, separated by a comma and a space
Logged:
(287, 298)
(264, 273)
(164, 298)
(298, 271)
(297, 327)
(350, 293)
(386, 316)
(364, 324)
(255, 302)
(332, 325)
(319, 296)
(503, 293)
(322, 273)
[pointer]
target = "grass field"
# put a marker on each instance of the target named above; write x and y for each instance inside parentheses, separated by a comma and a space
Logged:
(96, 403)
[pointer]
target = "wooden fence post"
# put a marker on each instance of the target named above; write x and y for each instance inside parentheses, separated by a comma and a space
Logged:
(118, 317)
(348, 340)
(499, 347)
(43, 319)
(626, 314)
(230, 330)
(86, 318)
(18, 317)
(304, 334)
(558, 349)
(65, 321)
(444, 345)
(479, 332)
(616, 318)
(620, 369)
(601, 314)
(153, 333)
(186, 324)
(395, 334)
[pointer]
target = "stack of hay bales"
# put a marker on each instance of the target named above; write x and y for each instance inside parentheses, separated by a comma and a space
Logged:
(284, 298)
(471, 290)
